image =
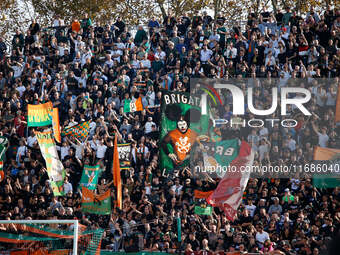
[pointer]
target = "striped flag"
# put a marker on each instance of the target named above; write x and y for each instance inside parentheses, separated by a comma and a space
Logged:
(331, 177)
(80, 131)
(228, 194)
(116, 174)
(55, 168)
(133, 105)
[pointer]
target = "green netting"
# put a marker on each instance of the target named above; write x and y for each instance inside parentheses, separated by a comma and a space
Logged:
(50, 238)
(20, 237)
(63, 233)
(95, 242)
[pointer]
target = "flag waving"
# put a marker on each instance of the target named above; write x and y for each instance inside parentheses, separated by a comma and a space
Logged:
(80, 131)
(55, 168)
(321, 153)
(116, 174)
(228, 194)
(89, 178)
(39, 115)
(96, 204)
(331, 158)
(3, 148)
(133, 105)
(56, 124)
(201, 194)
(337, 107)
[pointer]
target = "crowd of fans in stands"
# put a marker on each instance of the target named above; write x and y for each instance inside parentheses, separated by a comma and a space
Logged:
(88, 70)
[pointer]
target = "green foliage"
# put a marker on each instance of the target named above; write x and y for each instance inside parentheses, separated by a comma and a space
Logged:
(69, 10)
(180, 7)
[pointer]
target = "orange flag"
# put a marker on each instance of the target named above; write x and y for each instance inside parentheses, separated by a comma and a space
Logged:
(337, 107)
(56, 125)
(325, 153)
(116, 174)
(201, 194)
(139, 105)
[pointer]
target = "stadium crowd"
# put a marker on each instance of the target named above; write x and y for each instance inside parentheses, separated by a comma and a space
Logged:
(89, 69)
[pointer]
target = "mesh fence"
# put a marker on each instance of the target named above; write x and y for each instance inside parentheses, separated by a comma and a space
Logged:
(54, 239)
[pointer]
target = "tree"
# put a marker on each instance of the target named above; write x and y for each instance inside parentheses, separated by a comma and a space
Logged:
(14, 14)
(6, 4)
(69, 10)
(135, 12)
(179, 7)
(232, 10)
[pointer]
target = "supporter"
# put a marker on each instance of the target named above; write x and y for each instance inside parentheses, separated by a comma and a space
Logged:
(90, 71)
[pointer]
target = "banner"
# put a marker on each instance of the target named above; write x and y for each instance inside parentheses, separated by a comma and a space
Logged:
(3, 148)
(89, 177)
(124, 151)
(133, 105)
(321, 153)
(182, 125)
(203, 210)
(116, 174)
(219, 154)
(332, 178)
(228, 194)
(96, 204)
(80, 131)
(202, 194)
(39, 115)
(337, 107)
(55, 168)
(56, 124)
(324, 181)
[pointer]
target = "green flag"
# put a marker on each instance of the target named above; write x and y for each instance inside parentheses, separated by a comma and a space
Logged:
(80, 131)
(203, 210)
(55, 168)
(96, 204)
(326, 181)
(176, 107)
(89, 178)
(218, 155)
(127, 105)
(3, 147)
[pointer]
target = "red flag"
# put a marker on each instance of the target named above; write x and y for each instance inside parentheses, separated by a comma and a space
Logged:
(116, 174)
(228, 194)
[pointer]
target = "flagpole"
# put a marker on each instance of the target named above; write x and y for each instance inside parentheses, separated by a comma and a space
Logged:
(179, 229)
